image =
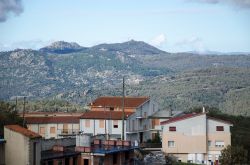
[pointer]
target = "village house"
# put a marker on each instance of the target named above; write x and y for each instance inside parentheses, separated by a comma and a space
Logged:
(144, 124)
(195, 137)
(53, 126)
(106, 123)
(22, 146)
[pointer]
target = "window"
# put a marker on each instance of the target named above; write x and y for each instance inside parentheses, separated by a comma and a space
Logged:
(86, 161)
(115, 158)
(52, 129)
(87, 123)
(111, 108)
(42, 130)
(219, 144)
(65, 128)
(209, 143)
(115, 123)
(145, 114)
(172, 128)
(171, 144)
(101, 123)
(219, 128)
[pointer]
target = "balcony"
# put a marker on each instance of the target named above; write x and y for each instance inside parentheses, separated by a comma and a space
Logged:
(67, 132)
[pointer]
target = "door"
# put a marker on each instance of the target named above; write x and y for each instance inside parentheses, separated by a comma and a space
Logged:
(141, 137)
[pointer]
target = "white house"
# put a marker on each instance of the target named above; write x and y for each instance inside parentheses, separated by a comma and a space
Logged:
(195, 137)
(53, 126)
(143, 125)
(103, 123)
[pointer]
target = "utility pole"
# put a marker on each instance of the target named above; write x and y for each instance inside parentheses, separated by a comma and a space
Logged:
(123, 104)
(16, 105)
(24, 102)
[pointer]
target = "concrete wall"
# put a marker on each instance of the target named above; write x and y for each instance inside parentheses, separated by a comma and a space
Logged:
(47, 144)
(16, 148)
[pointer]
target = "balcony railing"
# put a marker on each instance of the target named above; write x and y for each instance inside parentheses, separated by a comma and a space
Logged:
(67, 132)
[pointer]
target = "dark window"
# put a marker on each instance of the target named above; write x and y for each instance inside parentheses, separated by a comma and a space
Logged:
(219, 128)
(111, 108)
(66, 161)
(179, 160)
(172, 128)
(115, 158)
(86, 162)
(115, 126)
(50, 162)
(126, 155)
(75, 161)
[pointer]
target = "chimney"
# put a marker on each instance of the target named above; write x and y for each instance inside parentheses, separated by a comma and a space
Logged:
(203, 110)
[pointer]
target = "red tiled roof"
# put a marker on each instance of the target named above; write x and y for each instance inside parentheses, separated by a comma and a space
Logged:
(114, 115)
(113, 101)
(52, 119)
(23, 131)
(186, 116)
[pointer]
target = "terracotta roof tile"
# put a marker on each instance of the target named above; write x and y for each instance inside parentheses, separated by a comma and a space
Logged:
(113, 101)
(23, 131)
(52, 119)
(114, 115)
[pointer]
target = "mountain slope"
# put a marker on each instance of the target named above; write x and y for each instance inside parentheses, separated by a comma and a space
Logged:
(182, 80)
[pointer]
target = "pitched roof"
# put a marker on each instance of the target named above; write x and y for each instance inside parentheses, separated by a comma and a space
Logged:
(186, 116)
(114, 115)
(115, 101)
(23, 131)
(52, 119)
(220, 120)
(190, 115)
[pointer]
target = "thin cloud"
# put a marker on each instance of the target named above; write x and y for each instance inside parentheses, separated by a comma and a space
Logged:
(192, 43)
(10, 6)
(158, 40)
(245, 4)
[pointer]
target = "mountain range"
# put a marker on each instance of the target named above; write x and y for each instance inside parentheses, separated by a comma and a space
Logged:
(179, 81)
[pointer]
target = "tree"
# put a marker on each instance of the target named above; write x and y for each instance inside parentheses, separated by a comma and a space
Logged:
(234, 155)
(8, 115)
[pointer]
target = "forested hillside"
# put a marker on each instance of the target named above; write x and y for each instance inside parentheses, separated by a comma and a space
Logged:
(70, 72)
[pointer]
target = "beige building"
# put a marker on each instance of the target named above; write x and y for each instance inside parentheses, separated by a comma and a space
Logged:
(195, 138)
(22, 146)
(53, 126)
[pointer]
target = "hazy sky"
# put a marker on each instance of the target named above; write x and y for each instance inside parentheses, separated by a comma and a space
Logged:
(171, 25)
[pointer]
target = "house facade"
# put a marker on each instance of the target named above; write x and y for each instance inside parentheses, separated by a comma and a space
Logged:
(195, 138)
(22, 146)
(141, 125)
(54, 126)
(104, 123)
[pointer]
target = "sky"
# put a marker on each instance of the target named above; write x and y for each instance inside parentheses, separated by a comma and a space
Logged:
(170, 25)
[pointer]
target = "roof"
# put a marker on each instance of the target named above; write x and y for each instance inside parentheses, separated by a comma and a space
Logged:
(191, 115)
(220, 120)
(161, 114)
(40, 114)
(115, 101)
(114, 115)
(23, 131)
(183, 117)
(52, 119)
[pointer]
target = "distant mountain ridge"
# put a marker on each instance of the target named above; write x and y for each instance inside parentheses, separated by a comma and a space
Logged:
(129, 47)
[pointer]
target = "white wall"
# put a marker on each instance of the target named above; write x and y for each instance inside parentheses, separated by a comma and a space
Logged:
(94, 128)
